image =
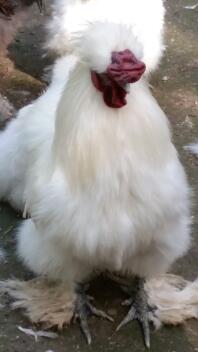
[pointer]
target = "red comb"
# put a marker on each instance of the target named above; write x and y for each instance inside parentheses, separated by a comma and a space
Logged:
(125, 68)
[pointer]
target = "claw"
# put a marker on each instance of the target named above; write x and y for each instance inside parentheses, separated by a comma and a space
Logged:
(139, 310)
(146, 332)
(129, 317)
(84, 309)
(100, 313)
(85, 329)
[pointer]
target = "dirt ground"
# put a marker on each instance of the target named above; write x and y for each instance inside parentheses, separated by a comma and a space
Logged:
(176, 87)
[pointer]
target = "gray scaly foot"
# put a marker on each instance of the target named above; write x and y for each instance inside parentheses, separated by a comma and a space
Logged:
(139, 310)
(83, 309)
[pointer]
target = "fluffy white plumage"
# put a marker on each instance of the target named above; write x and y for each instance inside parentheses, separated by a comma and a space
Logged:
(104, 187)
(146, 19)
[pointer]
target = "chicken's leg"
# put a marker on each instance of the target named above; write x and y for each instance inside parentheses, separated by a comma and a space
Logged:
(139, 310)
(83, 309)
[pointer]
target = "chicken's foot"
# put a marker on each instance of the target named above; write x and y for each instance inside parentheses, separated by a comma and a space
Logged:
(83, 309)
(139, 310)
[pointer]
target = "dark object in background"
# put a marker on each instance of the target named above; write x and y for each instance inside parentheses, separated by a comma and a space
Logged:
(12, 16)
(8, 7)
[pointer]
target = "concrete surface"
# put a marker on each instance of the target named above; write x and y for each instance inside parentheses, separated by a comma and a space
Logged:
(176, 87)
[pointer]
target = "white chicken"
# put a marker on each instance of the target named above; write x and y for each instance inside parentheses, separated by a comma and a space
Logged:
(92, 159)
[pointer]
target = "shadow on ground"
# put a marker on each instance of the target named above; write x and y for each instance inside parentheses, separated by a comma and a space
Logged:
(176, 87)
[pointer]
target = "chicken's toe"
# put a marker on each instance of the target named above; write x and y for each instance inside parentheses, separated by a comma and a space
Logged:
(139, 310)
(83, 309)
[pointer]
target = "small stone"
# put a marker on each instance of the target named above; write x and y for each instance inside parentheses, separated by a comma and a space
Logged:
(165, 78)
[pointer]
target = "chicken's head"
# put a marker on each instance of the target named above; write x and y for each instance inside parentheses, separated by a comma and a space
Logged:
(124, 69)
(113, 55)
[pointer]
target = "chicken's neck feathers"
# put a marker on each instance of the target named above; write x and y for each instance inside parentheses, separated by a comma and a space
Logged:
(92, 140)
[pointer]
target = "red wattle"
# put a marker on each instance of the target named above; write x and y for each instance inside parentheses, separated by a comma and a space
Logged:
(114, 96)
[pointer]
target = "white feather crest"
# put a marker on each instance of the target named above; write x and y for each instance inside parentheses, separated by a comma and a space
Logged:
(94, 42)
